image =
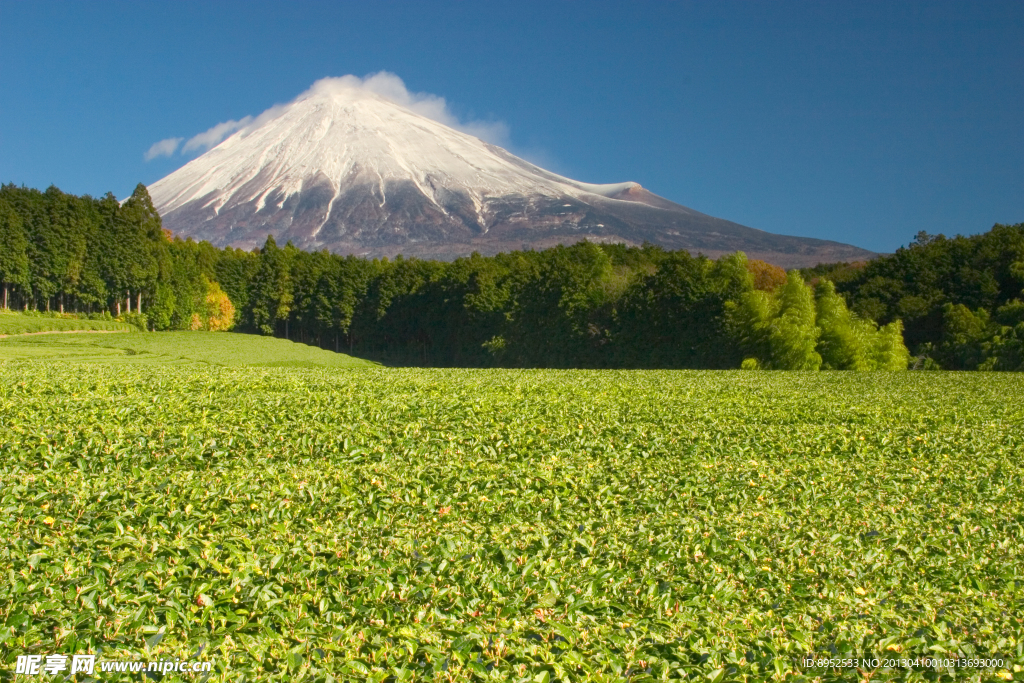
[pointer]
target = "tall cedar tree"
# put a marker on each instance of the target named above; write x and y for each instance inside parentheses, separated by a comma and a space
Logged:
(13, 251)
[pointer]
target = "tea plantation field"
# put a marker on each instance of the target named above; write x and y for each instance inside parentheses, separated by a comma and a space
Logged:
(163, 348)
(15, 323)
(376, 524)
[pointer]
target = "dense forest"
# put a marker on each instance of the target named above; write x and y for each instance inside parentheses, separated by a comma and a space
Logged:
(69, 254)
(960, 299)
(955, 302)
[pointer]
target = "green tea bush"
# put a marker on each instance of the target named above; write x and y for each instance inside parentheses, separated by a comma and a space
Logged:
(22, 323)
(320, 524)
(137, 320)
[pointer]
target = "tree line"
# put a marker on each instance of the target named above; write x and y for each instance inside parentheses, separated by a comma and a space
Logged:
(81, 255)
(959, 299)
(579, 306)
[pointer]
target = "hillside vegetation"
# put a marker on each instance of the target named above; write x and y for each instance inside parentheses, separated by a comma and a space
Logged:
(177, 347)
(955, 304)
(407, 525)
(14, 323)
(960, 300)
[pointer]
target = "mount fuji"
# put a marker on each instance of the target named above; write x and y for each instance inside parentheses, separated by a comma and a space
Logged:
(352, 170)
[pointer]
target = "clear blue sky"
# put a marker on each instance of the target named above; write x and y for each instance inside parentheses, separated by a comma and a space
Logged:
(859, 121)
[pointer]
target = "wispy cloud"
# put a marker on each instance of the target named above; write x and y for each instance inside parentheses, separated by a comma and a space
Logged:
(383, 83)
(164, 148)
(215, 135)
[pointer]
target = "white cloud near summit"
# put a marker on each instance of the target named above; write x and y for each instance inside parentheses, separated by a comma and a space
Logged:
(215, 135)
(391, 87)
(164, 148)
(382, 83)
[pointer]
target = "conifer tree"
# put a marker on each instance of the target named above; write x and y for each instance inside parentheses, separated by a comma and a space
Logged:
(13, 251)
(271, 294)
(140, 230)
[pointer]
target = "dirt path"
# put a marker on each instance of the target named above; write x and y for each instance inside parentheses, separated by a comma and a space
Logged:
(29, 334)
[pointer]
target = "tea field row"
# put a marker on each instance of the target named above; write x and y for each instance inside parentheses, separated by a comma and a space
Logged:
(325, 524)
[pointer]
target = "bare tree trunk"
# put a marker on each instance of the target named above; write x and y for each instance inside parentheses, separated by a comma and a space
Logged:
(128, 300)
(138, 302)
(62, 303)
(118, 308)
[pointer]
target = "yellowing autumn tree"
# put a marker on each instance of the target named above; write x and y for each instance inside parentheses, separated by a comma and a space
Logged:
(767, 277)
(220, 312)
(217, 313)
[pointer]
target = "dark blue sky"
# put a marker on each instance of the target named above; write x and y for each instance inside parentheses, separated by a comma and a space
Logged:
(861, 122)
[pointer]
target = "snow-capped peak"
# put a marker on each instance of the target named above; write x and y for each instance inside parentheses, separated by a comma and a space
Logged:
(353, 136)
(362, 166)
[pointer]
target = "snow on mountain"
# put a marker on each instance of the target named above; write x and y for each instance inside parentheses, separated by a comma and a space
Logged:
(349, 169)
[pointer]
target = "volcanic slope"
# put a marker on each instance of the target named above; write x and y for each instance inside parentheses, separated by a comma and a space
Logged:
(348, 170)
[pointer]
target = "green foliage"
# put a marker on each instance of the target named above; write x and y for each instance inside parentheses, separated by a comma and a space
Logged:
(554, 319)
(316, 524)
(778, 328)
(789, 329)
(68, 253)
(963, 332)
(849, 342)
(585, 305)
(161, 311)
(13, 251)
(888, 352)
(579, 306)
(134, 240)
(917, 284)
(270, 291)
(793, 335)
(160, 348)
(136, 320)
(975, 340)
(18, 323)
(845, 338)
(673, 316)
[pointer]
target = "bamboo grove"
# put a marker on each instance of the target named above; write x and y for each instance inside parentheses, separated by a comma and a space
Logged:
(586, 305)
